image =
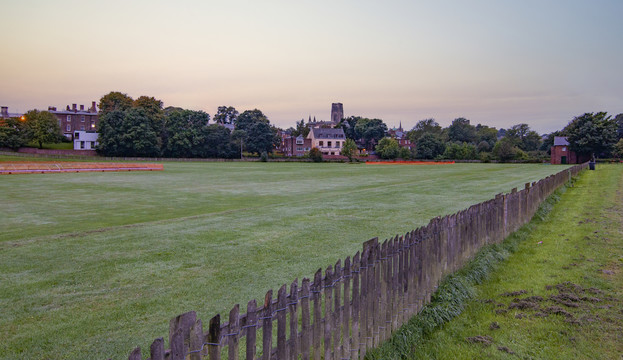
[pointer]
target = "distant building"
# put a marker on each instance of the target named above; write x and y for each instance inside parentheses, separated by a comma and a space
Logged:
(401, 137)
(85, 140)
(337, 113)
(328, 141)
(4, 113)
(74, 119)
(560, 153)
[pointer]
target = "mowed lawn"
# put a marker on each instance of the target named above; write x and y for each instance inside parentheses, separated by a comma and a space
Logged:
(94, 264)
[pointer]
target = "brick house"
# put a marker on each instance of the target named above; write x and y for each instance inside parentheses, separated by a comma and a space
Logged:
(560, 153)
(74, 119)
(401, 137)
(328, 141)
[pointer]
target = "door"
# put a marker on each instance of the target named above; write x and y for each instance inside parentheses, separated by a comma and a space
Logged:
(563, 159)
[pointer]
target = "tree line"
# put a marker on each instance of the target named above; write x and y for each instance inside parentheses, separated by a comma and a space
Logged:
(142, 127)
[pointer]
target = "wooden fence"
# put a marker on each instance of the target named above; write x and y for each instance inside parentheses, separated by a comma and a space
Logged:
(358, 303)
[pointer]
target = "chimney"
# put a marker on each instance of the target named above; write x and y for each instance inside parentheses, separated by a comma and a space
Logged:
(93, 108)
(5, 111)
(74, 107)
(51, 108)
(81, 107)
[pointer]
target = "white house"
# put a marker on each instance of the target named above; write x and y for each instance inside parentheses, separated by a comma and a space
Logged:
(85, 140)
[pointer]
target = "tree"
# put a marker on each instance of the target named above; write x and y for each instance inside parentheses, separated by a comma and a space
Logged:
(315, 154)
(42, 127)
(487, 134)
(388, 148)
(248, 118)
(185, 134)
(348, 125)
(427, 126)
(260, 137)
(592, 134)
(461, 131)
(619, 120)
(429, 146)
(524, 138)
(618, 149)
(462, 151)
(219, 143)
(349, 149)
(370, 131)
(115, 100)
(127, 133)
(301, 129)
(405, 153)
(505, 149)
(226, 115)
(13, 133)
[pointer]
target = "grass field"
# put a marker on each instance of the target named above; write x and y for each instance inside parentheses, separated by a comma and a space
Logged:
(93, 264)
(559, 295)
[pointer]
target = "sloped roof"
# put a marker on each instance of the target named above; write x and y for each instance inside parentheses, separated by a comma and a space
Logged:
(324, 133)
(560, 141)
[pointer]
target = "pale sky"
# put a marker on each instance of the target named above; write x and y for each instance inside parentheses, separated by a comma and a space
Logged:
(496, 62)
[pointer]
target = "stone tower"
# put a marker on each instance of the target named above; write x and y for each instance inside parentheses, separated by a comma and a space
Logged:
(337, 112)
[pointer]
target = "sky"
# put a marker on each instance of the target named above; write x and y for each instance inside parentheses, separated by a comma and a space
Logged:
(494, 62)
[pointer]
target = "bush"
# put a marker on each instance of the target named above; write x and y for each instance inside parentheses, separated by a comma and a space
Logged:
(264, 156)
(315, 154)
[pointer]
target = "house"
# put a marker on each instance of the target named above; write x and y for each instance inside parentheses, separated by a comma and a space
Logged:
(328, 141)
(561, 153)
(72, 119)
(85, 140)
(401, 137)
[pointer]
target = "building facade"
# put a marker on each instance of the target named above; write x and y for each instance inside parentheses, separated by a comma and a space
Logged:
(328, 141)
(73, 119)
(560, 153)
(85, 140)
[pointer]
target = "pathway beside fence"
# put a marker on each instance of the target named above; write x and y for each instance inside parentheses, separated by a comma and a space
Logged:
(356, 304)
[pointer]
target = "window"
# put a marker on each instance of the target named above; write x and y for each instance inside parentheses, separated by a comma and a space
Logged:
(81, 127)
(329, 144)
(92, 144)
(337, 144)
(68, 127)
(320, 143)
(77, 135)
(68, 117)
(82, 144)
(564, 149)
(81, 118)
(92, 125)
(299, 141)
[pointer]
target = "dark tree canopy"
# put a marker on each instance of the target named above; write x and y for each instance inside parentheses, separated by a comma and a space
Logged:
(524, 138)
(462, 131)
(619, 120)
(226, 115)
(422, 127)
(260, 137)
(128, 133)
(370, 131)
(429, 147)
(248, 118)
(13, 133)
(115, 101)
(592, 133)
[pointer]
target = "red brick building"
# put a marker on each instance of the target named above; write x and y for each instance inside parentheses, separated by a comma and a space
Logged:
(560, 153)
(74, 119)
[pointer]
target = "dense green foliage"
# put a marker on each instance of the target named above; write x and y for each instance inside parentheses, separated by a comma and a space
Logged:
(42, 127)
(315, 154)
(141, 127)
(13, 133)
(349, 149)
(592, 134)
(388, 148)
(429, 146)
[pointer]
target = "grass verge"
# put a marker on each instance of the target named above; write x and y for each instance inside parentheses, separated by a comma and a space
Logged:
(552, 290)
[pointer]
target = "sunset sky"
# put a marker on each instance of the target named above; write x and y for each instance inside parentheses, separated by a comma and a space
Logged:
(494, 62)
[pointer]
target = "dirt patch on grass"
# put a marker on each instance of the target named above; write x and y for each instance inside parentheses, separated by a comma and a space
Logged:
(480, 339)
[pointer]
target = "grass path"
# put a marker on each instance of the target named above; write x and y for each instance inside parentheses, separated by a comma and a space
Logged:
(558, 296)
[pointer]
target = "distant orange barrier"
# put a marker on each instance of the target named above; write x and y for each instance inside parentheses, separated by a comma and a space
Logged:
(60, 167)
(409, 162)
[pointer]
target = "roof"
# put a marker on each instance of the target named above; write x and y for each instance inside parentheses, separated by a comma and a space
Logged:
(560, 141)
(324, 133)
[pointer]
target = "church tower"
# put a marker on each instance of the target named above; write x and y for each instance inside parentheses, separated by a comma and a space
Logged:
(337, 112)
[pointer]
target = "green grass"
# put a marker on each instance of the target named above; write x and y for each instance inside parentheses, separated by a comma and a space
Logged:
(574, 251)
(94, 264)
